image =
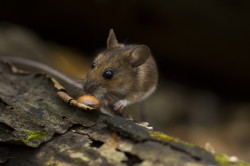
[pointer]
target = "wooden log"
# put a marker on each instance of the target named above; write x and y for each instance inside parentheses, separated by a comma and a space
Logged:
(53, 132)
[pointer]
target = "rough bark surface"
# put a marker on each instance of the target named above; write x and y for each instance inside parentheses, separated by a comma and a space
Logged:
(38, 128)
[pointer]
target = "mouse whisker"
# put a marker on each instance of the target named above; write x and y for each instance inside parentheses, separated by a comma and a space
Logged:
(110, 94)
(105, 94)
(112, 97)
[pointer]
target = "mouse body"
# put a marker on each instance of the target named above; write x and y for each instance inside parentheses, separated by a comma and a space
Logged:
(121, 75)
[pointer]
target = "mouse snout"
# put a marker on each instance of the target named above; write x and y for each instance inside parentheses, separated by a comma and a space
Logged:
(90, 86)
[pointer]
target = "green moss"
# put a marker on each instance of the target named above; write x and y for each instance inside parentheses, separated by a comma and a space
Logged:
(161, 136)
(223, 160)
(35, 135)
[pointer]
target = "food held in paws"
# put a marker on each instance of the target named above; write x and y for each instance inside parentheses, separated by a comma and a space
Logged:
(90, 101)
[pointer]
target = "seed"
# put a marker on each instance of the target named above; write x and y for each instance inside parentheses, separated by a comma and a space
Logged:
(90, 101)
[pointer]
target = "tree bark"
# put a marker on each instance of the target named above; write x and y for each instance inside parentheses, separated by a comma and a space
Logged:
(38, 128)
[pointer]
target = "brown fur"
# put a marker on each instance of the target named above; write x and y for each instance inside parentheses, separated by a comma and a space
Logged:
(135, 73)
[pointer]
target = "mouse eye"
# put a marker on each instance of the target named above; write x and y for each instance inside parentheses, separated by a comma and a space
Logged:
(93, 65)
(108, 74)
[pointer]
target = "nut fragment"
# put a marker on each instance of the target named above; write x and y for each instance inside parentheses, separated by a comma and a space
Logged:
(90, 101)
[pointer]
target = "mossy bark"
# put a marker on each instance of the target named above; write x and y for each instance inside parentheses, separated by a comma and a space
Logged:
(52, 132)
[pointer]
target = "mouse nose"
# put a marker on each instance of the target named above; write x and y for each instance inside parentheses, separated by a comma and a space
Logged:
(90, 86)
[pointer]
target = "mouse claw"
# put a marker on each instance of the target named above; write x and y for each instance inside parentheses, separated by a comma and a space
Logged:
(119, 105)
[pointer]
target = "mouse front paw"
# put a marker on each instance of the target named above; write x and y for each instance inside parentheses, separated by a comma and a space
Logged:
(119, 105)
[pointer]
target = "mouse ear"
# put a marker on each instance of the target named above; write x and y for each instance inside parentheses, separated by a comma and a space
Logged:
(112, 41)
(139, 55)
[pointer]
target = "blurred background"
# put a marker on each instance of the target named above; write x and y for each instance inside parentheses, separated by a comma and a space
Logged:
(201, 48)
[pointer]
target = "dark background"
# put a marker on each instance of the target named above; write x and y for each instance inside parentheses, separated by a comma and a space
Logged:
(199, 44)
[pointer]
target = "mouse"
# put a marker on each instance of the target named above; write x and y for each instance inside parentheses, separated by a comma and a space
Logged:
(121, 75)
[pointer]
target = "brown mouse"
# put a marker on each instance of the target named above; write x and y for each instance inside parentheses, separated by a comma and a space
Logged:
(121, 75)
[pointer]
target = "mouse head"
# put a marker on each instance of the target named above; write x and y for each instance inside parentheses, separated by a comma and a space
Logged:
(114, 72)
